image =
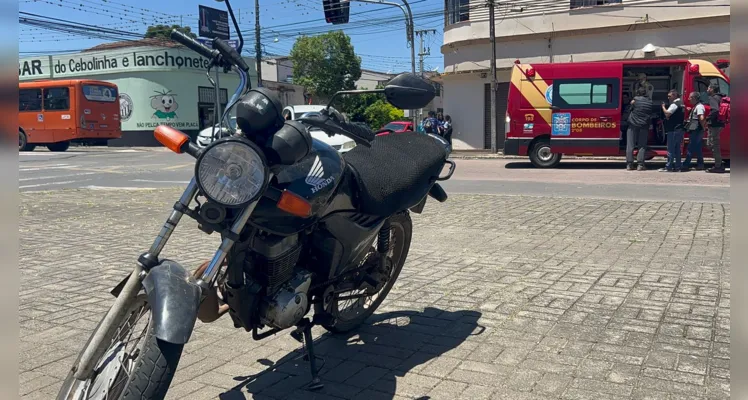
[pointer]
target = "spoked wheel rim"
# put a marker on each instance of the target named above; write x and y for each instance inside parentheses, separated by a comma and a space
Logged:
(113, 371)
(349, 309)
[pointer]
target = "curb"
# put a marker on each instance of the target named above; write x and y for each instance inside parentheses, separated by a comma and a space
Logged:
(499, 156)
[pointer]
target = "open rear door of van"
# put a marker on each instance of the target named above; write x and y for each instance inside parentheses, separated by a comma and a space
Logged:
(586, 108)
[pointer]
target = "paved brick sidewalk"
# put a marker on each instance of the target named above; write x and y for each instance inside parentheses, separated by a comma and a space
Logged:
(501, 298)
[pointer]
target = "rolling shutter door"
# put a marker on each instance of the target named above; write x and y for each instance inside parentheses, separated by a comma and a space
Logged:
(502, 98)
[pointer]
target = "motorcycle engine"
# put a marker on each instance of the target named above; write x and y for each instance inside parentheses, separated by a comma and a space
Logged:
(285, 300)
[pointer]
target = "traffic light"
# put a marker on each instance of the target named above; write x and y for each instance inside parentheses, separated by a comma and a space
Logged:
(336, 11)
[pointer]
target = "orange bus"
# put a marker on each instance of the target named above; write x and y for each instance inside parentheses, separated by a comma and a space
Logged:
(54, 113)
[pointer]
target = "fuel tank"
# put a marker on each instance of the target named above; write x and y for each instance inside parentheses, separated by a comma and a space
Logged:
(315, 178)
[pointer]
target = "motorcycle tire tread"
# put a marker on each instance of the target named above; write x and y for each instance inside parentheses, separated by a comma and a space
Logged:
(154, 370)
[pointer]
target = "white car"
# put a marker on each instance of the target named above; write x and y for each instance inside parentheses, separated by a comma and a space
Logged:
(205, 137)
(340, 143)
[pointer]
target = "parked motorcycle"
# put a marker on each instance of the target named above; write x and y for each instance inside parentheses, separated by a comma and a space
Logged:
(302, 228)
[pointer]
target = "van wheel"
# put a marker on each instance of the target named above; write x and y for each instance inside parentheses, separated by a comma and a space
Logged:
(59, 146)
(541, 155)
(23, 142)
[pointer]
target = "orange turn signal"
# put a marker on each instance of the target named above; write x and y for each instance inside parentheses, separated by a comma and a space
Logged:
(171, 138)
(294, 204)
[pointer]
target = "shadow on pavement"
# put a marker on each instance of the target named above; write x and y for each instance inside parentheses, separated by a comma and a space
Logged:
(366, 362)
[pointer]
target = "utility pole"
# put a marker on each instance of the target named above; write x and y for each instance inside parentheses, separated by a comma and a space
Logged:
(494, 99)
(421, 53)
(405, 7)
(258, 49)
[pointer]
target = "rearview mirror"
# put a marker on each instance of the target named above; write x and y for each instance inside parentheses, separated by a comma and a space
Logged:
(407, 92)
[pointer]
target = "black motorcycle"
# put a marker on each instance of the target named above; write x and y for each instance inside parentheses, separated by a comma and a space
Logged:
(301, 228)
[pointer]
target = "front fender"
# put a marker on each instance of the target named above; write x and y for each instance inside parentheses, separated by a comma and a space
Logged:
(174, 297)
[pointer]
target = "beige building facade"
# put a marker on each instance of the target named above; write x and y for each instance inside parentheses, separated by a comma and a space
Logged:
(551, 31)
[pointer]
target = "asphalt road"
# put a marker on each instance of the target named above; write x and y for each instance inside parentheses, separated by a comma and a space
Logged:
(131, 169)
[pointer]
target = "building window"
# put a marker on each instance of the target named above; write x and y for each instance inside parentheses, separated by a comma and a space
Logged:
(457, 11)
(56, 99)
(208, 95)
(586, 93)
(591, 3)
(30, 100)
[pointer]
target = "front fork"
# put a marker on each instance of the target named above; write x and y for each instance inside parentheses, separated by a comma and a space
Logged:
(130, 288)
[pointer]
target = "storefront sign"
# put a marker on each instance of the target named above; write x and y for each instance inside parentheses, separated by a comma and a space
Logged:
(87, 64)
(214, 23)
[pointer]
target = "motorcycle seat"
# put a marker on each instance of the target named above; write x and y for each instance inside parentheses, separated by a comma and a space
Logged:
(396, 172)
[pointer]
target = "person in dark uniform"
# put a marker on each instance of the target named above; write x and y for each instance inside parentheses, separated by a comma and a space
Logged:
(674, 130)
(639, 121)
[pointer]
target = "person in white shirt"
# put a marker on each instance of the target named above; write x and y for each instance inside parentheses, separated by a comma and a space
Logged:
(695, 125)
(673, 123)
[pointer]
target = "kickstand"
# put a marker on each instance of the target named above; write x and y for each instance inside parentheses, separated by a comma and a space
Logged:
(304, 327)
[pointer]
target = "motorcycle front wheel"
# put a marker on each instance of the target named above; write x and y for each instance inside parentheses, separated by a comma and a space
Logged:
(136, 365)
(349, 314)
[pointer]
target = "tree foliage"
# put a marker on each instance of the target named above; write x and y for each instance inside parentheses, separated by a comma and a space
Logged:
(380, 113)
(163, 31)
(355, 106)
(325, 64)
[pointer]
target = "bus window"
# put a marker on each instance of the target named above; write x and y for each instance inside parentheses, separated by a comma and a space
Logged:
(701, 83)
(100, 93)
(30, 100)
(56, 99)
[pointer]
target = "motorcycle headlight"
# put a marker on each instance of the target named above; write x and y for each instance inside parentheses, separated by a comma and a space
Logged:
(231, 172)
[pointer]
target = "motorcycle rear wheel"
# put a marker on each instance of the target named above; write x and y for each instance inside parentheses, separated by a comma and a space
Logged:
(401, 231)
(151, 364)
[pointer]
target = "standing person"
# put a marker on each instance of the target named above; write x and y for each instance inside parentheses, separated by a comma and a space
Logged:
(715, 127)
(696, 125)
(431, 124)
(639, 120)
(448, 129)
(674, 120)
(642, 82)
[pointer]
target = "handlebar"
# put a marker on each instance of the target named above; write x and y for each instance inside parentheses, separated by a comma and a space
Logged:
(230, 54)
(332, 122)
(194, 45)
(223, 55)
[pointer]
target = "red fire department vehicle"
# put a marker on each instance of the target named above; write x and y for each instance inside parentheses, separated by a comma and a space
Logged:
(577, 108)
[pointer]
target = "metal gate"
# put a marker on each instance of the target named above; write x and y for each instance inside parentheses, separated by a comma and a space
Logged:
(503, 98)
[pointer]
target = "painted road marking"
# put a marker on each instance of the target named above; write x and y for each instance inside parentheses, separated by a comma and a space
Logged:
(94, 187)
(44, 167)
(36, 178)
(178, 166)
(152, 181)
(53, 183)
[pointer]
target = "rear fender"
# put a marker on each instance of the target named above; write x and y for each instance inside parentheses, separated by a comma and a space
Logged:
(174, 297)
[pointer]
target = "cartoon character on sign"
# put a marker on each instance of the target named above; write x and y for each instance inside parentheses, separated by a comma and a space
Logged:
(165, 105)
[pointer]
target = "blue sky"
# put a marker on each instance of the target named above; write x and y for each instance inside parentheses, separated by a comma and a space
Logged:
(377, 31)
